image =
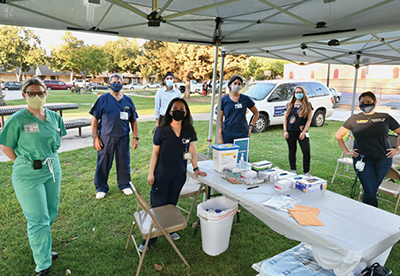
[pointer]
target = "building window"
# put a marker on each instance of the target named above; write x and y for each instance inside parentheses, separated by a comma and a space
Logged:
(312, 74)
(291, 75)
(336, 74)
(363, 73)
(396, 73)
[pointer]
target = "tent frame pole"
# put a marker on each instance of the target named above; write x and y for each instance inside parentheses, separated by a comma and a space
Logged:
(221, 85)
(354, 90)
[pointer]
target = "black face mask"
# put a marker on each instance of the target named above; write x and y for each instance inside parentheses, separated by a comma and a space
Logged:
(178, 115)
(367, 108)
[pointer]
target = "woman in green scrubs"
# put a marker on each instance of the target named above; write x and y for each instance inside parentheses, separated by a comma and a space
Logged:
(31, 138)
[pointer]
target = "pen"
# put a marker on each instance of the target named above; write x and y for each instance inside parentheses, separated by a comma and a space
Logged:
(253, 187)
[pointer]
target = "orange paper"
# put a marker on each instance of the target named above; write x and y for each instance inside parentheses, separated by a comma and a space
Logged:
(305, 215)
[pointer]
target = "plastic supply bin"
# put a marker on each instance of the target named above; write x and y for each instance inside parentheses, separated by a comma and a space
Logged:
(216, 217)
(224, 155)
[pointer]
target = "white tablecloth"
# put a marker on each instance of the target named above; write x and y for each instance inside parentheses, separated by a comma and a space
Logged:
(354, 232)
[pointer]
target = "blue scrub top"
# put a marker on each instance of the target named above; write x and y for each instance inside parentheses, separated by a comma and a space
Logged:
(235, 124)
(108, 110)
(170, 159)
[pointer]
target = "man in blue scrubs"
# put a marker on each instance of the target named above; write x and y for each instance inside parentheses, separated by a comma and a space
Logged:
(112, 113)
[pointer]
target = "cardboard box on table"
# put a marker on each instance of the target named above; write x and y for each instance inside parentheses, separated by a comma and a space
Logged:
(311, 184)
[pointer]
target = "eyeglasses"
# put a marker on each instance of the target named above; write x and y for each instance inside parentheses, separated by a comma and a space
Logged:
(33, 94)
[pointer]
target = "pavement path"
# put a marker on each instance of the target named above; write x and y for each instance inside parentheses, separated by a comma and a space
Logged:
(387, 103)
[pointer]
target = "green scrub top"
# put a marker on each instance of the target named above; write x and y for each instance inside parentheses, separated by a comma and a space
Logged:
(31, 146)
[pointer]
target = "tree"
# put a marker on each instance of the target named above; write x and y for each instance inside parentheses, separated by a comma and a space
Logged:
(145, 71)
(122, 55)
(19, 49)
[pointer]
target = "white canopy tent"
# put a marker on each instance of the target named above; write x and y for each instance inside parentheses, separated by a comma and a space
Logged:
(241, 24)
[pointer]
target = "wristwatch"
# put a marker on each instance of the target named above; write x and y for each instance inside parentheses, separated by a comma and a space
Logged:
(137, 138)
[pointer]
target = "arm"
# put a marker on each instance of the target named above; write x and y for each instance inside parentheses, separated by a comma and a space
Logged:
(157, 105)
(135, 142)
(339, 137)
(391, 152)
(153, 162)
(255, 118)
(9, 152)
(97, 144)
(221, 121)
(285, 132)
(192, 150)
(306, 127)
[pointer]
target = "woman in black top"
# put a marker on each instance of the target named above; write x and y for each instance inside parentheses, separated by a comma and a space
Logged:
(371, 145)
(296, 122)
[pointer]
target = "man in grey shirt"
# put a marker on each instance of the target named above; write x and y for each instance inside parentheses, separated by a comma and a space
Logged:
(163, 96)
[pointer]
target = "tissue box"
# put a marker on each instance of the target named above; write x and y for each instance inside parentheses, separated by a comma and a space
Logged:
(283, 185)
(268, 175)
(285, 174)
(295, 178)
(261, 165)
(224, 155)
(311, 184)
(249, 174)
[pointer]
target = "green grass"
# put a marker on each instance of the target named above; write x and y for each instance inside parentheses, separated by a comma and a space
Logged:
(144, 105)
(90, 234)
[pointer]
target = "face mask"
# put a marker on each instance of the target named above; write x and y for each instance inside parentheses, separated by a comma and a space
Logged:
(367, 108)
(178, 115)
(299, 96)
(36, 102)
(116, 87)
(169, 83)
(236, 88)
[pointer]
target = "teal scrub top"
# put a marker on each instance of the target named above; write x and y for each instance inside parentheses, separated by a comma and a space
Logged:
(33, 145)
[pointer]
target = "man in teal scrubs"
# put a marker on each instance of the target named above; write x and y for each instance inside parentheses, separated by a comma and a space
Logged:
(31, 138)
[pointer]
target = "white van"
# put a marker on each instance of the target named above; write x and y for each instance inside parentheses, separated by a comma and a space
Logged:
(271, 98)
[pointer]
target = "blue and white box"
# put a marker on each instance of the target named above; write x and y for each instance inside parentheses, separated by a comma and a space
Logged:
(311, 184)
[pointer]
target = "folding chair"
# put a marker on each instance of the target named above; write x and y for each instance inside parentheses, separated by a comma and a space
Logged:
(345, 160)
(192, 189)
(388, 187)
(154, 222)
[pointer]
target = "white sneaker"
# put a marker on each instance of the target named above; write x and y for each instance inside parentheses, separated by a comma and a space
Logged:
(127, 191)
(175, 236)
(293, 171)
(141, 248)
(101, 195)
(308, 174)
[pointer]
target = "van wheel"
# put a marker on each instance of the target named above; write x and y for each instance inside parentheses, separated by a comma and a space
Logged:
(48, 88)
(319, 119)
(261, 124)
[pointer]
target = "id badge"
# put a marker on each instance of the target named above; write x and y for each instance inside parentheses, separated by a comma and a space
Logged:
(124, 115)
(307, 135)
(360, 165)
(31, 128)
(187, 156)
(238, 106)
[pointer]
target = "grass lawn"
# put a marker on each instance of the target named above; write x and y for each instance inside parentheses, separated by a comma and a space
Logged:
(90, 234)
(144, 105)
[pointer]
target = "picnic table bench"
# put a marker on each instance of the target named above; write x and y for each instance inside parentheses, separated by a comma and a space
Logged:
(57, 107)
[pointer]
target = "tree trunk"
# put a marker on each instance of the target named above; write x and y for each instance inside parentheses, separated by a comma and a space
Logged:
(187, 87)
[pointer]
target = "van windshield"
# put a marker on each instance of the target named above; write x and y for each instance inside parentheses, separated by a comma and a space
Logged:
(258, 91)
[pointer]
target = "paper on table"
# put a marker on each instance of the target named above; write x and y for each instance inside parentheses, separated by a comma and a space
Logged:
(306, 215)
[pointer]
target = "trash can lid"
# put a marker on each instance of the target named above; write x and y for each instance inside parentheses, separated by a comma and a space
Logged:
(225, 147)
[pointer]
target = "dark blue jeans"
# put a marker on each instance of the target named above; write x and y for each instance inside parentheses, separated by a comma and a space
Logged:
(371, 177)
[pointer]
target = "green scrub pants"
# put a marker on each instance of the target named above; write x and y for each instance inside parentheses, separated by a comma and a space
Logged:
(38, 195)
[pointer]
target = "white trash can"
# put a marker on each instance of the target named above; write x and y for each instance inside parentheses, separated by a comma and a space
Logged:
(216, 217)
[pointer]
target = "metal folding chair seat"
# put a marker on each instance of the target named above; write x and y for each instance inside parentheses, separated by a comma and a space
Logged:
(154, 222)
(346, 162)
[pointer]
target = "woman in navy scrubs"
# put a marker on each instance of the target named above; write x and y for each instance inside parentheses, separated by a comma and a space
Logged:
(234, 107)
(173, 147)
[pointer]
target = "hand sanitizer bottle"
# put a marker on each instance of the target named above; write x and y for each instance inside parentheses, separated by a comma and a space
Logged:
(242, 162)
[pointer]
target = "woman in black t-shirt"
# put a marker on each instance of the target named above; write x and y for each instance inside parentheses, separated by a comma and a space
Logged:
(371, 144)
(296, 122)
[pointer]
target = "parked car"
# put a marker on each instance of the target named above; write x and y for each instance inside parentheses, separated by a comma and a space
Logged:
(11, 85)
(134, 86)
(152, 85)
(98, 86)
(271, 98)
(80, 83)
(56, 85)
(195, 87)
(336, 94)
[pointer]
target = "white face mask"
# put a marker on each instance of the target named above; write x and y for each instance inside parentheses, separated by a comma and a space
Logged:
(36, 102)
(236, 88)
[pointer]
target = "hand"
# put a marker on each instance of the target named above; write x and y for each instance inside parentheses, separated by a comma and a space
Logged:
(249, 132)
(97, 143)
(392, 152)
(150, 179)
(286, 134)
(201, 173)
(135, 143)
(302, 136)
(220, 140)
(352, 153)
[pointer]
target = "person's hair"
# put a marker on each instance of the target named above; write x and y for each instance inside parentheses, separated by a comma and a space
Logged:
(168, 74)
(116, 75)
(32, 81)
(367, 94)
(235, 77)
(305, 108)
(187, 121)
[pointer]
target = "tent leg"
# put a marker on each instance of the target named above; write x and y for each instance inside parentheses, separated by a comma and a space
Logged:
(354, 91)
(221, 84)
